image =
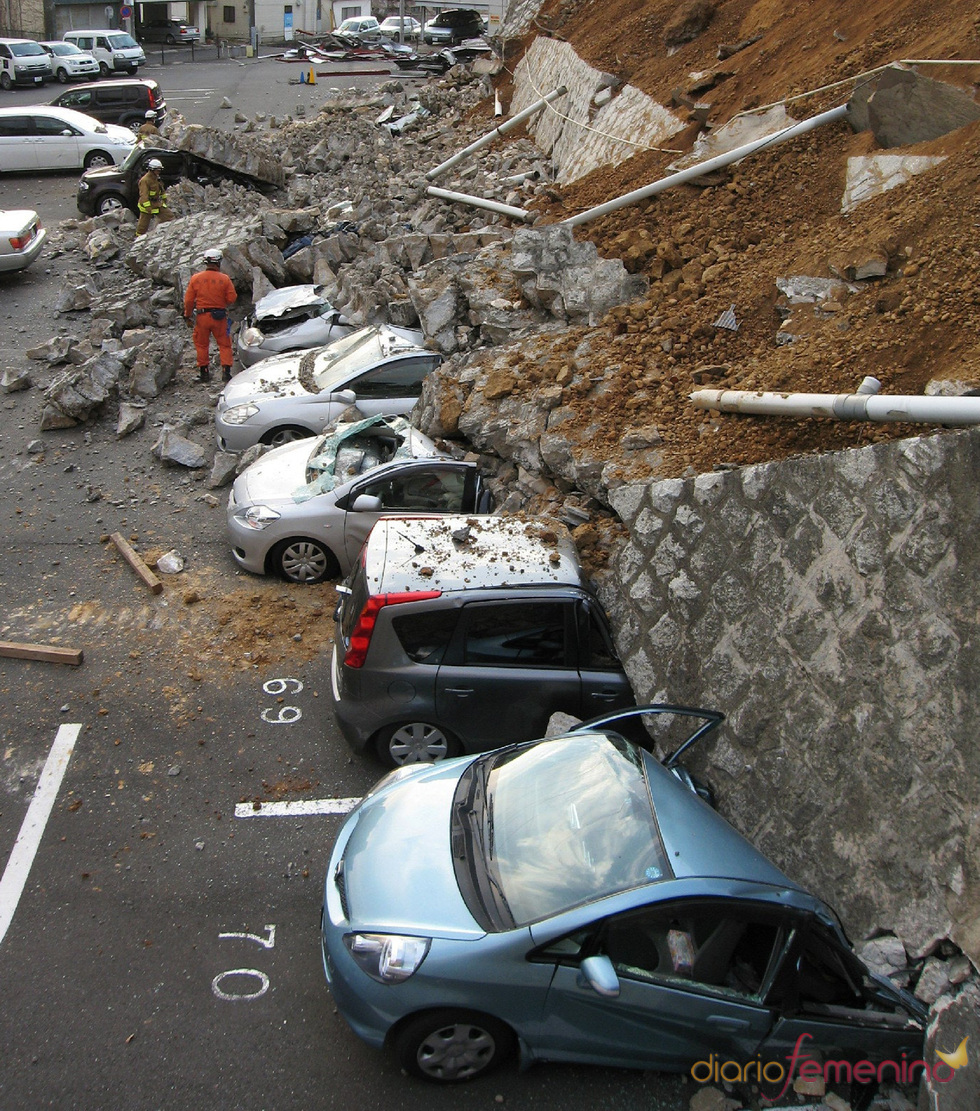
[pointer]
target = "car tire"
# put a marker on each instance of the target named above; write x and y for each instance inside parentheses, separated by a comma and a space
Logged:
(452, 1046)
(135, 124)
(288, 434)
(5, 82)
(171, 41)
(97, 160)
(111, 202)
(415, 742)
(104, 71)
(304, 561)
(62, 75)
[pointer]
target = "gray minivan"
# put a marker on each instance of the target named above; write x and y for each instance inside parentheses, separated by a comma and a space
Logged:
(463, 634)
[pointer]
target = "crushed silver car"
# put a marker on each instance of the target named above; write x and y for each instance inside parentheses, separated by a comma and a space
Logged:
(287, 397)
(289, 319)
(303, 510)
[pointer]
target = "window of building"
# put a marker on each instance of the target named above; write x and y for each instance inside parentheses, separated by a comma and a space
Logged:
(229, 13)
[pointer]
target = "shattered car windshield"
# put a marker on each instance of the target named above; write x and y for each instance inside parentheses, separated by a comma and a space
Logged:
(551, 826)
(351, 450)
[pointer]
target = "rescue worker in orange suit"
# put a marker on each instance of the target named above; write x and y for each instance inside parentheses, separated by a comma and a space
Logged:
(153, 201)
(148, 128)
(209, 293)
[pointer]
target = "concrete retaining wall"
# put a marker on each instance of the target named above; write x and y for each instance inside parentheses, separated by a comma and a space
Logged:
(828, 606)
(578, 135)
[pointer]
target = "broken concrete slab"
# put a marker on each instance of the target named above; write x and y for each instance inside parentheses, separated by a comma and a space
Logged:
(177, 450)
(131, 417)
(15, 379)
(903, 107)
(870, 175)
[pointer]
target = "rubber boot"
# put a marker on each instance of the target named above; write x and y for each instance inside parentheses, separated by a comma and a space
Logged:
(204, 374)
(226, 373)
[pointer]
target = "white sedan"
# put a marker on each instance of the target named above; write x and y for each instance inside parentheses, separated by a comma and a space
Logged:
(42, 137)
(21, 238)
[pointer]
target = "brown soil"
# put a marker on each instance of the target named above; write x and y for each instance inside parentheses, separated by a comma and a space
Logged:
(777, 214)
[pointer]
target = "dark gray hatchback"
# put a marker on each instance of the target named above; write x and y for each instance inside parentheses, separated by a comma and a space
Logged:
(462, 634)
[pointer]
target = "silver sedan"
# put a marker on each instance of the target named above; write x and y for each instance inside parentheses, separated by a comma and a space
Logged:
(304, 510)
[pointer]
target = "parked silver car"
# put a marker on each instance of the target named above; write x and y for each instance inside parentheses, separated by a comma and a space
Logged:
(303, 510)
(39, 137)
(21, 238)
(291, 396)
(294, 318)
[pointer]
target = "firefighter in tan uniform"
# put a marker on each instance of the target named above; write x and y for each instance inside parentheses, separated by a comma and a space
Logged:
(148, 129)
(153, 201)
(208, 294)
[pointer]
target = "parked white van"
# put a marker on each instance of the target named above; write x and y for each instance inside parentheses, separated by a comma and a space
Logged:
(115, 51)
(23, 62)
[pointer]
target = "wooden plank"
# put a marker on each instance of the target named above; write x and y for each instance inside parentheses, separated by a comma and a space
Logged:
(132, 558)
(48, 653)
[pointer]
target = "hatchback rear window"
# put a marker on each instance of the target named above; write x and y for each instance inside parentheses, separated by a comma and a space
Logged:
(425, 636)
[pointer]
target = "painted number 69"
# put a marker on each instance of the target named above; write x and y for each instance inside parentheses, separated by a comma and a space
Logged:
(281, 715)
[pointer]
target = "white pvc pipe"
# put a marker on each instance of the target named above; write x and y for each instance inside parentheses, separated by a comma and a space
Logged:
(708, 166)
(844, 406)
(481, 202)
(487, 139)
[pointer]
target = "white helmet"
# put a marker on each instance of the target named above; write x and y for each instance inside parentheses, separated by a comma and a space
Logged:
(212, 254)
(150, 115)
(154, 164)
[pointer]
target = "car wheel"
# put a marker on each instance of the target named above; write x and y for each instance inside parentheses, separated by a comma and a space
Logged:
(97, 160)
(304, 561)
(171, 41)
(279, 436)
(451, 1046)
(63, 76)
(5, 81)
(109, 203)
(415, 742)
(104, 70)
(134, 125)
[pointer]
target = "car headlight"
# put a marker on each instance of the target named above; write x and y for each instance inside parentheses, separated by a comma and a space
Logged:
(387, 958)
(83, 187)
(252, 337)
(239, 414)
(258, 516)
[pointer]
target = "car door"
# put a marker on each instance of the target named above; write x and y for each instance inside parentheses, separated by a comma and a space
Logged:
(511, 665)
(425, 486)
(57, 144)
(826, 996)
(18, 143)
(392, 388)
(692, 976)
(604, 683)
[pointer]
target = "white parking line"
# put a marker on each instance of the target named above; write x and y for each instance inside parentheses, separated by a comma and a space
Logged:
(32, 828)
(296, 809)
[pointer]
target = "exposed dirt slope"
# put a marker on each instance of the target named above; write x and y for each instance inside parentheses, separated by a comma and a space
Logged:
(775, 215)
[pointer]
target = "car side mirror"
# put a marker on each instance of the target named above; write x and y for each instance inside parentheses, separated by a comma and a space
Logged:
(598, 973)
(348, 397)
(366, 503)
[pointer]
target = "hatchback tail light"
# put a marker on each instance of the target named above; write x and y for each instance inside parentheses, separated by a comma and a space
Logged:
(153, 98)
(360, 638)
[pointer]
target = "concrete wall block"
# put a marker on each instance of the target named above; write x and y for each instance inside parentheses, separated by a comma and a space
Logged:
(820, 605)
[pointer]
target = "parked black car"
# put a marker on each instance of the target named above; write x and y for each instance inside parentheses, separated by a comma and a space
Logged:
(116, 101)
(452, 25)
(118, 186)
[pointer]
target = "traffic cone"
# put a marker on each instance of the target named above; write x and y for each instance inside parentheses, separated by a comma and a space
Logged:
(302, 77)
(312, 80)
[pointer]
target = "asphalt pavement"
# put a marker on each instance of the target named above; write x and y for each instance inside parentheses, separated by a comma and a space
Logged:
(159, 899)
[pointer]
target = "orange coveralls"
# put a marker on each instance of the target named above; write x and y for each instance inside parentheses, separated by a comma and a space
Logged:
(210, 289)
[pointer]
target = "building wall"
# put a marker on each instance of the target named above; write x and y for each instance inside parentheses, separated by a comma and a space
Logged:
(22, 19)
(827, 605)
